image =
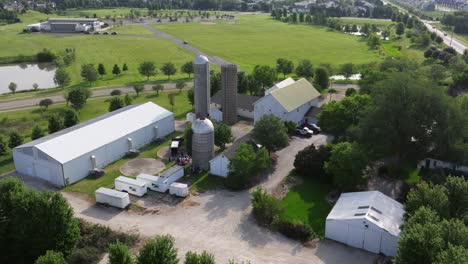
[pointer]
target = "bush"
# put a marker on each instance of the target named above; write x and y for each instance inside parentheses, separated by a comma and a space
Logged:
(159, 250)
(87, 254)
(116, 92)
(45, 56)
(290, 126)
(266, 208)
(51, 257)
(310, 161)
(350, 91)
(294, 230)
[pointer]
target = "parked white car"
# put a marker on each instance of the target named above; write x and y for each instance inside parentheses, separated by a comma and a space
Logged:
(304, 131)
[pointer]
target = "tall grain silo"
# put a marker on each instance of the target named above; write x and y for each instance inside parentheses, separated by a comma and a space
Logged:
(202, 143)
(229, 91)
(201, 87)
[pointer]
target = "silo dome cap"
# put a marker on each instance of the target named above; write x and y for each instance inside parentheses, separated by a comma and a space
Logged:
(201, 60)
(202, 126)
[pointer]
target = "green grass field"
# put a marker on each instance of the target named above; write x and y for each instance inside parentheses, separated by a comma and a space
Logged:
(25, 120)
(257, 39)
(108, 50)
(131, 29)
(306, 202)
(436, 14)
(102, 13)
(362, 21)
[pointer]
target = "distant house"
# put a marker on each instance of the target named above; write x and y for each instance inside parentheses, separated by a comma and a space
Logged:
(430, 163)
(303, 7)
(367, 220)
(66, 25)
(245, 106)
(289, 100)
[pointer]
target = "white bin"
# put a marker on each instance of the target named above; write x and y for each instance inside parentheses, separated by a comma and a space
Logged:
(179, 189)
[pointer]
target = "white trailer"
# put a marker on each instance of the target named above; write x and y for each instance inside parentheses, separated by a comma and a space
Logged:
(150, 180)
(112, 197)
(179, 189)
(130, 185)
(166, 178)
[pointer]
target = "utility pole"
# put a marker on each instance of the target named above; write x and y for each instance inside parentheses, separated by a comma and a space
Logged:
(451, 38)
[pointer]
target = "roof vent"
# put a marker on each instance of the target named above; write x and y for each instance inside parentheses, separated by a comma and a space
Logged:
(363, 207)
(359, 214)
(376, 210)
(373, 217)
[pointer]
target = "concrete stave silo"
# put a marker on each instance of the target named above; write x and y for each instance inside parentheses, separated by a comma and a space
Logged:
(201, 86)
(229, 92)
(202, 143)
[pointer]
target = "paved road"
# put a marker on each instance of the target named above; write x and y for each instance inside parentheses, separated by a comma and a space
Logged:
(454, 43)
(4, 106)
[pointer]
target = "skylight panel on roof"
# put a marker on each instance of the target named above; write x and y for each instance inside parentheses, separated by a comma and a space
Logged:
(363, 207)
(376, 210)
(373, 217)
(359, 214)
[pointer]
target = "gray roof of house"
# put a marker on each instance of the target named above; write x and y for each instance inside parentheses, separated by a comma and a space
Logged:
(244, 101)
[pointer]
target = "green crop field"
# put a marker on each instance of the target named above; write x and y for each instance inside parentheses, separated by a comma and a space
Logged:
(257, 39)
(108, 50)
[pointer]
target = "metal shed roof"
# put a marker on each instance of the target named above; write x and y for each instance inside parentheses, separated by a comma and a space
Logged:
(295, 94)
(372, 206)
(244, 101)
(83, 138)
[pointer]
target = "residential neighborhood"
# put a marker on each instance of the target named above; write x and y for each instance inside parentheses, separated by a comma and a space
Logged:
(165, 132)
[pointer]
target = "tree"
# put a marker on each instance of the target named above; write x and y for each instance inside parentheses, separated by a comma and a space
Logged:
(431, 196)
(3, 147)
(171, 97)
(55, 123)
(346, 164)
(115, 92)
(284, 66)
(245, 165)
(62, 78)
(191, 96)
(290, 126)
(15, 139)
(266, 208)
(337, 117)
(160, 250)
(158, 88)
(187, 68)
(36, 133)
(119, 254)
(311, 160)
(124, 67)
(321, 80)
(44, 103)
(350, 92)
(373, 41)
(12, 86)
(242, 82)
(203, 258)
(128, 100)
(437, 72)
(78, 97)
(51, 257)
(168, 69)
(147, 69)
(138, 88)
(264, 75)
(457, 192)
(116, 70)
(400, 29)
(439, 40)
(222, 135)
(101, 69)
(116, 103)
(70, 118)
(305, 69)
(180, 85)
(347, 69)
(35, 86)
(188, 133)
(215, 82)
(270, 132)
(452, 255)
(25, 210)
(89, 73)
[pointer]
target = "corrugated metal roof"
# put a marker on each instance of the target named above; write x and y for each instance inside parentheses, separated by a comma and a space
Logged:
(295, 94)
(283, 83)
(83, 138)
(373, 206)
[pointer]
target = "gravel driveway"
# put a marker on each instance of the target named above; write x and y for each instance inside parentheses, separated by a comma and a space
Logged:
(221, 222)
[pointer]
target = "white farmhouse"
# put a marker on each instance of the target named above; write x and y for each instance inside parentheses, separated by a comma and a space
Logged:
(367, 220)
(289, 100)
(70, 155)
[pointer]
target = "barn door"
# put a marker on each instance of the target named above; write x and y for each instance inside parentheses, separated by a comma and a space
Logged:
(356, 236)
(372, 241)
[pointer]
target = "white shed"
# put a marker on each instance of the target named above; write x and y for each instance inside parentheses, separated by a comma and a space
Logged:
(219, 165)
(367, 220)
(71, 154)
(289, 100)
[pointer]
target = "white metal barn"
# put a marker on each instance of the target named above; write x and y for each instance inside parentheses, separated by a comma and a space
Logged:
(367, 220)
(289, 100)
(219, 165)
(69, 155)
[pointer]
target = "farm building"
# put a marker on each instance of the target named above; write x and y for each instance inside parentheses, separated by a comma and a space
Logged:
(368, 220)
(219, 165)
(245, 105)
(70, 155)
(66, 25)
(430, 163)
(289, 100)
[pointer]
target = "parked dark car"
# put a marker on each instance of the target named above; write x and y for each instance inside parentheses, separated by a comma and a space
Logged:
(87, 32)
(114, 33)
(106, 33)
(185, 42)
(96, 33)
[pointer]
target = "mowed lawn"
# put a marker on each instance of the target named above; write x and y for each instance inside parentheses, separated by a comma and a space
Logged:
(108, 50)
(131, 29)
(361, 21)
(306, 202)
(258, 39)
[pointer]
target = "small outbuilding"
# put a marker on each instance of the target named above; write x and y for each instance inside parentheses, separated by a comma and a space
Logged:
(69, 155)
(368, 220)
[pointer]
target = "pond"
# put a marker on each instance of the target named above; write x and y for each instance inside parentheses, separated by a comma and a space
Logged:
(25, 75)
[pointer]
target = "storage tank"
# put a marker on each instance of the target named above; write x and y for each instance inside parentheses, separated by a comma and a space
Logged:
(202, 143)
(201, 86)
(229, 92)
